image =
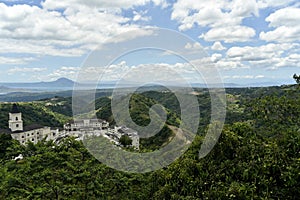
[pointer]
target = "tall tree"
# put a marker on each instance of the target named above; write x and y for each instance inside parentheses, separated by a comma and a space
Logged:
(297, 78)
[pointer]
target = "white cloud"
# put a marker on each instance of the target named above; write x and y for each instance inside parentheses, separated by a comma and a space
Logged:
(178, 73)
(21, 70)
(246, 77)
(269, 56)
(56, 4)
(38, 47)
(263, 52)
(284, 17)
(194, 46)
(227, 65)
(76, 31)
(14, 61)
(274, 3)
(139, 16)
(67, 72)
(162, 3)
(132, 73)
(229, 34)
(217, 46)
(286, 24)
(216, 57)
(224, 18)
(219, 15)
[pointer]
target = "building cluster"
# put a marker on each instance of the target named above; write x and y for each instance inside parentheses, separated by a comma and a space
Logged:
(78, 128)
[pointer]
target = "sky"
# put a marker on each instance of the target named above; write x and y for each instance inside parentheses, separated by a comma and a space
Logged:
(247, 41)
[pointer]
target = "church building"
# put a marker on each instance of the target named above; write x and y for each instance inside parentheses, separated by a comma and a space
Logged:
(32, 133)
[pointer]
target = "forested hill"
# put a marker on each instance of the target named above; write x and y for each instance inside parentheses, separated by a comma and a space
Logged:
(52, 112)
(256, 157)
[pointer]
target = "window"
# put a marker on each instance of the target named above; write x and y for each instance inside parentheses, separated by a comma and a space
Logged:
(53, 134)
(28, 134)
(32, 139)
(22, 136)
(31, 133)
(17, 125)
(17, 118)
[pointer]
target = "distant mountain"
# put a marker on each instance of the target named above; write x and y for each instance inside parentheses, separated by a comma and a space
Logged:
(59, 83)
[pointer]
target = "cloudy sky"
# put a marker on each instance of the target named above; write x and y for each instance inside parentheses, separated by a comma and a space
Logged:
(248, 41)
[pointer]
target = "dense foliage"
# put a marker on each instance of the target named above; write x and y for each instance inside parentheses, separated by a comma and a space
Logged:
(256, 157)
(47, 113)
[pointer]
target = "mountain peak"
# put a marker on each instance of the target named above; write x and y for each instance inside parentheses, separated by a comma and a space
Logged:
(64, 80)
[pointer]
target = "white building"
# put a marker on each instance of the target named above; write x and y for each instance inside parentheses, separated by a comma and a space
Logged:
(32, 133)
(78, 128)
(86, 124)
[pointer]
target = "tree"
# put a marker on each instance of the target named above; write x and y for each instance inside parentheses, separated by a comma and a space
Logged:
(125, 140)
(297, 78)
(5, 142)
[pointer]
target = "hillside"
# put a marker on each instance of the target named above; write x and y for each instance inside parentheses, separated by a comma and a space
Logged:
(256, 157)
(52, 113)
(139, 113)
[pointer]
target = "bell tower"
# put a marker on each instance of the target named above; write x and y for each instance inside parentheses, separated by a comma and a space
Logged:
(15, 122)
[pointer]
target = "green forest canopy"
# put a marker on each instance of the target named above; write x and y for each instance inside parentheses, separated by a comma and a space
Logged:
(256, 157)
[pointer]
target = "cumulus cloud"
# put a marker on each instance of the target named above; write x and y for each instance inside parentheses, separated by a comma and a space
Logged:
(216, 57)
(274, 3)
(225, 19)
(269, 56)
(263, 52)
(56, 4)
(217, 46)
(67, 72)
(220, 16)
(73, 31)
(194, 46)
(229, 34)
(227, 65)
(140, 16)
(286, 24)
(265, 57)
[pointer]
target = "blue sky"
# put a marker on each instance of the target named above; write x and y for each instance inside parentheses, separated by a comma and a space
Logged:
(248, 41)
